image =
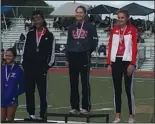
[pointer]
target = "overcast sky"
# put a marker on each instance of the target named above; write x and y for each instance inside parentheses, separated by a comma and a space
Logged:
(118, 4)
(112, 3)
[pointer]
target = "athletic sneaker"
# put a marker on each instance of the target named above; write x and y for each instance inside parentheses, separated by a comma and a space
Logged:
(84, 111)
(30, 118)
(131, 120)
(74, 111)
(117, 120)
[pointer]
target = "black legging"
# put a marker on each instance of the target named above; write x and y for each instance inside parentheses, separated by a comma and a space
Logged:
(119, 68)
(79, 63)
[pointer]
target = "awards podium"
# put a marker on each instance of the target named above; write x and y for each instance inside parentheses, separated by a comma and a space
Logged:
(66, 116)
(87, 116)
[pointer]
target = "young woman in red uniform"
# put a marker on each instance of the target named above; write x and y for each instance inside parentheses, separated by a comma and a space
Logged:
(122, 52)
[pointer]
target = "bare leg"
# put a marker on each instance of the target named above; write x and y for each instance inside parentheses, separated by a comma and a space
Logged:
(11, 112)
(3, 114)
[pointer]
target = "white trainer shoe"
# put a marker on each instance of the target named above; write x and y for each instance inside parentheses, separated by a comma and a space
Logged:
(117, 120)
(84, 111)
(32, 116)
(131, 120)
(74, 111)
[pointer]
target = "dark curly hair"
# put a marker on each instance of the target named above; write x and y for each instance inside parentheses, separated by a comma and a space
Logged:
(38, 12)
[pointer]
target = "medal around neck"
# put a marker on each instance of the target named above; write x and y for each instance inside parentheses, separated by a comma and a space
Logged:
(38, 39)
(79, 33)
(37, 50)
(121, 48)
(121, 37)
(7, 75)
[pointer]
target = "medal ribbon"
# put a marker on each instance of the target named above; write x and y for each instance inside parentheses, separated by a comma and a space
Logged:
(80, 30)
(120, 38)
(39, 38)
(6, 72)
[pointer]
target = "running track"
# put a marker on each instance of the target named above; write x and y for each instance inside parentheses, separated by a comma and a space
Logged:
(102, 72)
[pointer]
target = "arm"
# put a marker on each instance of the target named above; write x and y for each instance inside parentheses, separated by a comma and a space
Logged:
(94, 41)
(21, 82)
(134, 46)
(25, 50)
(51, 54)
(109, 47)
(69, 37)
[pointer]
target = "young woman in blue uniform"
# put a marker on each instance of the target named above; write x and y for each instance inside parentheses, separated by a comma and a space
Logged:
(12, 85)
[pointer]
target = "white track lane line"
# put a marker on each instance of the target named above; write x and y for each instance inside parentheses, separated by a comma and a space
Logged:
(66, 107)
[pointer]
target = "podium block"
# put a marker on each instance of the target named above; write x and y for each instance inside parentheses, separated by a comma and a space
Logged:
(87, 116)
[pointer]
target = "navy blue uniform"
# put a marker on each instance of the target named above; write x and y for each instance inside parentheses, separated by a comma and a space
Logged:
(81, 42)
(11, 89)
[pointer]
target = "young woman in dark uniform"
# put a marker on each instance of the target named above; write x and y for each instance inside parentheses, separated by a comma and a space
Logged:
(82, 41)
(38, 57)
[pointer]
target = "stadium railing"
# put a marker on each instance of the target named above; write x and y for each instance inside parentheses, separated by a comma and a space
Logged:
(141, 56)
(4, 19)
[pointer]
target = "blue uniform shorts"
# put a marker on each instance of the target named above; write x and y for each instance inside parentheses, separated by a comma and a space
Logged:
(8, 103)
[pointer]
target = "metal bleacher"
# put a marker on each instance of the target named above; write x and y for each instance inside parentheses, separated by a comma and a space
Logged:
(145, 55)
(10, 36)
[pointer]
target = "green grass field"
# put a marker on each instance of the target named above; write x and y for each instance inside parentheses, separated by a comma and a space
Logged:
(101, 97)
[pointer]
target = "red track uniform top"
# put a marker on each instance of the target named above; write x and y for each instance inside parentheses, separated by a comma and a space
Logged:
(128, 46)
